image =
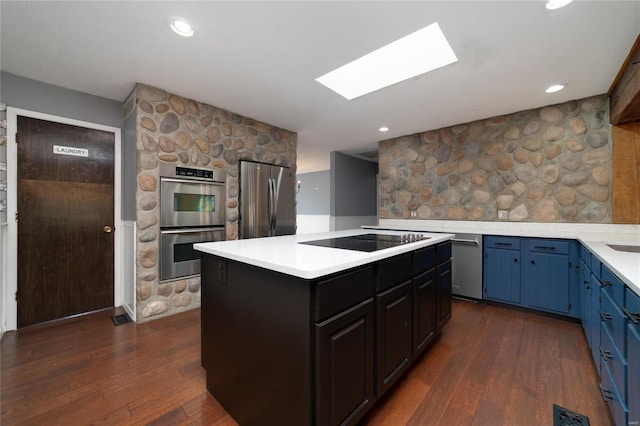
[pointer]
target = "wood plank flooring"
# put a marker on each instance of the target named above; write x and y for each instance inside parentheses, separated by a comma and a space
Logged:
(491, 366)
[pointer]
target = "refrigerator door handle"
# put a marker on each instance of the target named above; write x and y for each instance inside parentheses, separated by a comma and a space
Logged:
(272, 208)
(276, 191)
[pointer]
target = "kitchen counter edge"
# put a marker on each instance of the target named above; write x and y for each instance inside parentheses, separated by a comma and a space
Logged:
(596, 238)
(284, 254)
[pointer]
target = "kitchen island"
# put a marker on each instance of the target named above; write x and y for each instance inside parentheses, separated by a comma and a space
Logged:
(300, 334)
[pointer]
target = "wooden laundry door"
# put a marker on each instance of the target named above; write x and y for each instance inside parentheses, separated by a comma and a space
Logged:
(65, 220)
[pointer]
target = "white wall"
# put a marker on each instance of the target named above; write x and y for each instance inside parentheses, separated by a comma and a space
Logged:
(312, 223)
(339, 223)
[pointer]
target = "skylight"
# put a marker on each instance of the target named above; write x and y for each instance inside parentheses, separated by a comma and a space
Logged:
(422, 51)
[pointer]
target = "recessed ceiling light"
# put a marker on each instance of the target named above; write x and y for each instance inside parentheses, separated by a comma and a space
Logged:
(424, 50)
(182, 28)
(557, 4)
(383, 129)
(555, 88)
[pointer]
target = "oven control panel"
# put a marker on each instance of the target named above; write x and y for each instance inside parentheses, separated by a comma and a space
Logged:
(174, 171)
(197, 173)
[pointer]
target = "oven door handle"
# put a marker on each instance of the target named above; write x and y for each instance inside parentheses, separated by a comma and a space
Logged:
(192, 182)
(190, 230)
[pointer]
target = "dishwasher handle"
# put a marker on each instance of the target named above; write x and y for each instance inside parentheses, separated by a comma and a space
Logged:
(459, 240)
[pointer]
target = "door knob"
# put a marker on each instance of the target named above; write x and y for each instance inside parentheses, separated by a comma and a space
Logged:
(107, 229)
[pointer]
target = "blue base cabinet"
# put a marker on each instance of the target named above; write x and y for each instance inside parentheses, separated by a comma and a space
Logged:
(502, 270)
(564, 277)
(549, 276)
(611, 321)
(593, 329)
(541, 274)
(632, 311)
(586, 290)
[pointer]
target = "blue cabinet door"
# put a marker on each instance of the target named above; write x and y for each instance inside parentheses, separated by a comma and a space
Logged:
(546, 282)
(502, 275)
(585, 281)
(551, 280)
(633, 373)
(594, 321)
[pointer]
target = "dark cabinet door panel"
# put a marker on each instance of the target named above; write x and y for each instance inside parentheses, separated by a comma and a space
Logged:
(393, 335)
(344, 367)
(424, 310)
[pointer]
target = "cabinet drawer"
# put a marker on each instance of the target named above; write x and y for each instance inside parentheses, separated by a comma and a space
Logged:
(611, 395)
(393, 271)
(336, 294)
(585, 254)
(612, 285)
(505, 243)
(549, 246)
(615, 321)
(632, 302)
(443, 252)
(610, 355)
(423, 260)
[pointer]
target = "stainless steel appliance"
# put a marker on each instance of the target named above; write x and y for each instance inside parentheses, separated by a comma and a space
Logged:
(267, 200)
(177, 256)
(192, 210)
(191, 197)
(467, 265)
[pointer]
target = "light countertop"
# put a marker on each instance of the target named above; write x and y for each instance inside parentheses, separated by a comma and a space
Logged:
(284, 254)
(625, 265)
(594, 236)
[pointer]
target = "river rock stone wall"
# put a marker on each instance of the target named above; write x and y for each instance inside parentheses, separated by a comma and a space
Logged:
(551, 164)
(174, 129)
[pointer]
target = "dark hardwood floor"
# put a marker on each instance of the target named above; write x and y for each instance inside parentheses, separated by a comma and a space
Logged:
(491, 366)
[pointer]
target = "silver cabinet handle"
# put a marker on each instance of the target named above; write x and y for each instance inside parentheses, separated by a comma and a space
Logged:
(456, 240)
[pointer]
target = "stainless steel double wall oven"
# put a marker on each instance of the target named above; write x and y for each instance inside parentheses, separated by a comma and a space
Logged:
(192, 210)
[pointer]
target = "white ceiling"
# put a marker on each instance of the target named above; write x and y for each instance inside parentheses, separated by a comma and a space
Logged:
(260, 59)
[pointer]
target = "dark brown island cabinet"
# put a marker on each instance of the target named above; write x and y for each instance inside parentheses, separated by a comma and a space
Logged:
(282, 350)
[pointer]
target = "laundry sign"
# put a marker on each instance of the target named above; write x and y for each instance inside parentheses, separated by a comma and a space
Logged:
(69, 150)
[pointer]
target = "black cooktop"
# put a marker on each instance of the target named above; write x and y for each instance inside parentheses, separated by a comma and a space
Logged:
(366, 242)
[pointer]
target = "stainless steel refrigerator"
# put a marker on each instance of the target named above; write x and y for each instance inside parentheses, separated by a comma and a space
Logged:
(267, 198)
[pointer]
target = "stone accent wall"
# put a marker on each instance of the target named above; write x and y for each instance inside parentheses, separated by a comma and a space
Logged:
(174, 129)
(551, 164)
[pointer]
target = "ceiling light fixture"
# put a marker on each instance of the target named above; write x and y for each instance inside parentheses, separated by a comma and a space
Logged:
(182, 28)
(555, 88)
(383, 129)
(557, 4)
(424, 50)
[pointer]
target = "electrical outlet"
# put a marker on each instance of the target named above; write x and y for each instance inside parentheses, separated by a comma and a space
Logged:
(413, 213)
(503, 214)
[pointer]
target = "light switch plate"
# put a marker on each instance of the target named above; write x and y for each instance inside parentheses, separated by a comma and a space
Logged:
(413, 213)
(503, 214)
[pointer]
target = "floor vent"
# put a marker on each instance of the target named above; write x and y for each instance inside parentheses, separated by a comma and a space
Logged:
(120, 319)
(564, 417)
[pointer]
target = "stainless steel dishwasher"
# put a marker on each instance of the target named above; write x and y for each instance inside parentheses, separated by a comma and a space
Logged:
(467, 266)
